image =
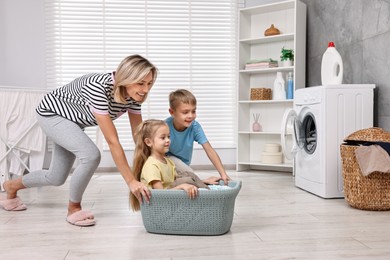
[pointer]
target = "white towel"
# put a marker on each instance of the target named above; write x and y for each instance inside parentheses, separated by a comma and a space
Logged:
(17, 115)
(372, 158)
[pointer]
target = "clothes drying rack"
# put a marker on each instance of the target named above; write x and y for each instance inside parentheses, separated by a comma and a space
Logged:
(18, 104)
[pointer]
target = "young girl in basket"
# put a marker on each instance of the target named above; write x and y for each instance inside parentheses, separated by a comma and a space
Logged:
(151, 166)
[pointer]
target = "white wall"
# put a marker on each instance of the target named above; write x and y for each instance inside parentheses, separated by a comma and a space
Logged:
(22, 61)
(22, 55)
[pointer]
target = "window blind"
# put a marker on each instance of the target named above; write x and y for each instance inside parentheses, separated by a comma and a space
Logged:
(193, 44)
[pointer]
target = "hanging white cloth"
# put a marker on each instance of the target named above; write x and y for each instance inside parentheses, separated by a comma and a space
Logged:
(22, 140)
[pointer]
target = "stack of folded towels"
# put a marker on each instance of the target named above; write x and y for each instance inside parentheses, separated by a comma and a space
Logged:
(261, 64)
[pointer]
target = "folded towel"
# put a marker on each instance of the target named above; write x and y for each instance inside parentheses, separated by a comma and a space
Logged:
(261, 61)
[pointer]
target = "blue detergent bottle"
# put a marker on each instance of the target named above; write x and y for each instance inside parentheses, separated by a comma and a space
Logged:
(290, 86)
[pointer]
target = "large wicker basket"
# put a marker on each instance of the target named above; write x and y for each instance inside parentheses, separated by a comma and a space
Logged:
(370, 192)
(172, 212)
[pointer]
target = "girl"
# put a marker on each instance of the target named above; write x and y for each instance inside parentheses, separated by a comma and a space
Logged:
(151, 166)
(90, 100)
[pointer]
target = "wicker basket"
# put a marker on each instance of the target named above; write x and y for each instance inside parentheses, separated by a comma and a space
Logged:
(172, 212)
(370, 192)
(261, 94)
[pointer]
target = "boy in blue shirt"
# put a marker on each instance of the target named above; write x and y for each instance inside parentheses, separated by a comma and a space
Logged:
(184, 131)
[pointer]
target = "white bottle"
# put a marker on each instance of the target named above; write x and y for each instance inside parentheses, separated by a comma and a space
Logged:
(331, 66)
(279, 90)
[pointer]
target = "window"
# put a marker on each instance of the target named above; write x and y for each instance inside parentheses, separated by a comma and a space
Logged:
(193, 44)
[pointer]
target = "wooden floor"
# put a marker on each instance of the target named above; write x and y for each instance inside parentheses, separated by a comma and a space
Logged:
(273, 220)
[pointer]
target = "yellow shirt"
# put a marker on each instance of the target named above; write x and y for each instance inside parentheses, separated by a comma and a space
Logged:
(154, 170)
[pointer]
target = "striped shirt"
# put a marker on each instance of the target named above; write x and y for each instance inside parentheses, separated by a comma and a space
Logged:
(88, 94)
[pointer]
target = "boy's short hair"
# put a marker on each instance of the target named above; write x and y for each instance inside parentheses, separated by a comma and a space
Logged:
(181, 96)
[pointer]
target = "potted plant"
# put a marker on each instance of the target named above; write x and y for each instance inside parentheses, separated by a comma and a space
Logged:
(287, 56)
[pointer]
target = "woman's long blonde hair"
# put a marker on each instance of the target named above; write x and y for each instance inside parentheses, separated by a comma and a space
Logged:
(132, 69)
(147, 129)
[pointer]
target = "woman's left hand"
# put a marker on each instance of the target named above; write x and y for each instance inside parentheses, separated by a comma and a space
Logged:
(139, 190)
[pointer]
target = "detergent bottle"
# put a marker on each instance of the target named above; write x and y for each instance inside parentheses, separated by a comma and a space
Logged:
(331, 66)
(279, 91)
(290, 86)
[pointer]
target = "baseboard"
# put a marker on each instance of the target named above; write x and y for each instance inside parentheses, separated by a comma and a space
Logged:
(195, 167)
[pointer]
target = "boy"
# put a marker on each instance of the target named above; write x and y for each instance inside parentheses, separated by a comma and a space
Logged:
(184, 131)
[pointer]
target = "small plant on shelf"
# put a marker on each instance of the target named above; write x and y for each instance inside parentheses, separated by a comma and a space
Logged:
(287, 55)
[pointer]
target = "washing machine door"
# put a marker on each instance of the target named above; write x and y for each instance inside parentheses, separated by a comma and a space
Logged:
(307, 131)
(297, 133)
(290, 134)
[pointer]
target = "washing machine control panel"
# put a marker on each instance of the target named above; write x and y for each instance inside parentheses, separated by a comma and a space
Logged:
(307, 96)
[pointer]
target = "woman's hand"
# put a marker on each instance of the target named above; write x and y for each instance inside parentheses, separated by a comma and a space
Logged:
(139, 190)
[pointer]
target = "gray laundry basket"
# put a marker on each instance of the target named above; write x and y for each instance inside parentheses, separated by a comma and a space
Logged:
(172, 212)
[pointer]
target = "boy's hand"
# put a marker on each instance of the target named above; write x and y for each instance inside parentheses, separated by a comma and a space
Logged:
(212, 180)
(225, 179)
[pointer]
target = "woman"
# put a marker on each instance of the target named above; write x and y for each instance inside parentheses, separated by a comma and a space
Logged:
(93, 99)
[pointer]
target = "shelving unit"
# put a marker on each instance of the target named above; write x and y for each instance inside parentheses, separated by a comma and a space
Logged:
(290, 18)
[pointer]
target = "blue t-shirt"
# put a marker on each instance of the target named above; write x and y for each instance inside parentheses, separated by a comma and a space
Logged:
(182, 143)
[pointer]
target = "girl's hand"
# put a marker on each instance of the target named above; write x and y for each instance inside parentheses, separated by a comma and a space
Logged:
(139, 190)
(192, 191)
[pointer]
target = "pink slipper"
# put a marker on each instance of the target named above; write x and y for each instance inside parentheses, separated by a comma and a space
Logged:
(14, 204)
(82, 218)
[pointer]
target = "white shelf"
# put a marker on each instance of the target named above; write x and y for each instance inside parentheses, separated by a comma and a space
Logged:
(258, 163)
(258, 133)
(267, 70)
(269, 39)
(268, 8)
(290, 18)
(287, 101)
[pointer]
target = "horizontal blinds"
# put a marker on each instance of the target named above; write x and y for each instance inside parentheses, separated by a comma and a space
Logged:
(193, 44)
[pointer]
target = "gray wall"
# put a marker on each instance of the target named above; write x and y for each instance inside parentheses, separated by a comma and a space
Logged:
(361, 32)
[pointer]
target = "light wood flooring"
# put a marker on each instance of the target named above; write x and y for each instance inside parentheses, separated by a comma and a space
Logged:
(272, 220)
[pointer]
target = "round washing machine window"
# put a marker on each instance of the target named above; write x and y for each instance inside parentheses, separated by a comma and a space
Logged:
(309, 132)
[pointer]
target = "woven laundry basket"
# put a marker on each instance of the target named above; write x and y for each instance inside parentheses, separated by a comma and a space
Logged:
(172, 212)
(370, 192)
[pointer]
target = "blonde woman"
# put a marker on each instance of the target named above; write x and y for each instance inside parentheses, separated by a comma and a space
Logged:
(91, 100)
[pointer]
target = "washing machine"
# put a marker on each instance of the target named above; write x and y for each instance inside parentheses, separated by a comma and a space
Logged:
(313, 130)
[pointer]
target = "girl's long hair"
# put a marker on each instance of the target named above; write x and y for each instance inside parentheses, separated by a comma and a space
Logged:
(147, 129)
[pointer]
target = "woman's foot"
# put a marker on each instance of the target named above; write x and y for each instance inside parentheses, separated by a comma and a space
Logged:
(12, 187)
(78, 217)
(14, 204)
(81, 218)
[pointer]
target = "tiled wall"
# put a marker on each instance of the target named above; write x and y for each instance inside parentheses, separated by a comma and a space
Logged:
(361, 32)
